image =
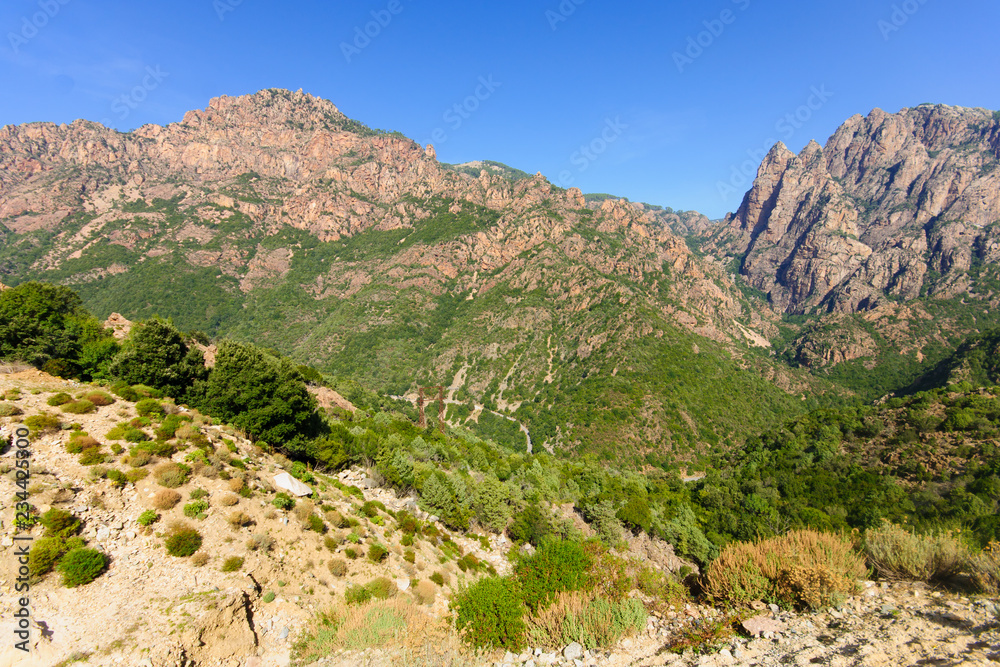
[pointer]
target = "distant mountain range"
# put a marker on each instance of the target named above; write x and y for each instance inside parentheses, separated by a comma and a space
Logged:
(601, 324)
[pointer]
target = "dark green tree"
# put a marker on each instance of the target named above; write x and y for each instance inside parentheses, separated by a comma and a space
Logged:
(263, 395)
(155, 354)
(47, 324)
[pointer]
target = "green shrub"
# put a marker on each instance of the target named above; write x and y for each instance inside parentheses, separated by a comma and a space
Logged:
(198, 494)
(148, 518)
(283, 501)
(377, 553)
(437, 578)
(406, 540)
(338, 567)
(330, 543)
(382, 588)
(80, 441)
(232, 564)
(554, 568)
(60, 523)
(315, 523)
(269, 596)
(79, 407)
(350, 553)
(183, 541)
(409, 556)
(116, 477)
(195, 509)
(44, 555)
(92, 456)
(149, 407)
(62, 398)
(125, 391)
(81, 566)
(136, 474)
(896, 553)
(42, 423)
(356, 594)
(488, 614)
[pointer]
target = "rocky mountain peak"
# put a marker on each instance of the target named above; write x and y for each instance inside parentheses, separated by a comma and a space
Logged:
(894, 205)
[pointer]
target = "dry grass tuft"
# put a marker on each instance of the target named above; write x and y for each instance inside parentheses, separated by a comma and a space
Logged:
(985, 569)
(585, 617)
(166, 499)
(898, 554)
(802, 568)
(229, 500)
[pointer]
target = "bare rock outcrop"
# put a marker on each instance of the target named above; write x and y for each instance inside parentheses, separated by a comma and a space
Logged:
(893, 206)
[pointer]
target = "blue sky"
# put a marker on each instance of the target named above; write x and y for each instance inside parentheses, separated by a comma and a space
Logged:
(670, 103)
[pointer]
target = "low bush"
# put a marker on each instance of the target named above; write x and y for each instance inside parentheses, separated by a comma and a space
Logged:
(425, 592)
(139, 457)
(116, 477)
(409, 556)
(238, 519)
(166, 499)
(10, 410)
(44, 555)
(80, 441)
(149, 407)
(338, 567)
(336, 519)
(136, 474)
(196, 509)
(62, 398)
(172, 475)
(229, 500)
(437, 578)
(586, 618)
(283, 501)
(896, 553)
(802, 568)
(183, 540)
(315, 524)
(382, 588)
(60, 523)
(355, 594)
(148, 518)
(198, 494)
(260, 542)
(269, 596)
(350, 553)
(377, 553)
(554, 568)
(99, 398)
(91, 456)
(42, 423)
(200, 559)
(79, 407)
(488, 614)
(232, 564)
(81, 566)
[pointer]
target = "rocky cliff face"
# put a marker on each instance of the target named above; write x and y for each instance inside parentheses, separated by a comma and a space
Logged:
(895, 206)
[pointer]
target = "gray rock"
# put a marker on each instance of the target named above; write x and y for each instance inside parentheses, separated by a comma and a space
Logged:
(284, 633)
(573, 652)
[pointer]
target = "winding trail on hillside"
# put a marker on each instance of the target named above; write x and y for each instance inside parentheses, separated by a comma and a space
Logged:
(478, 408)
